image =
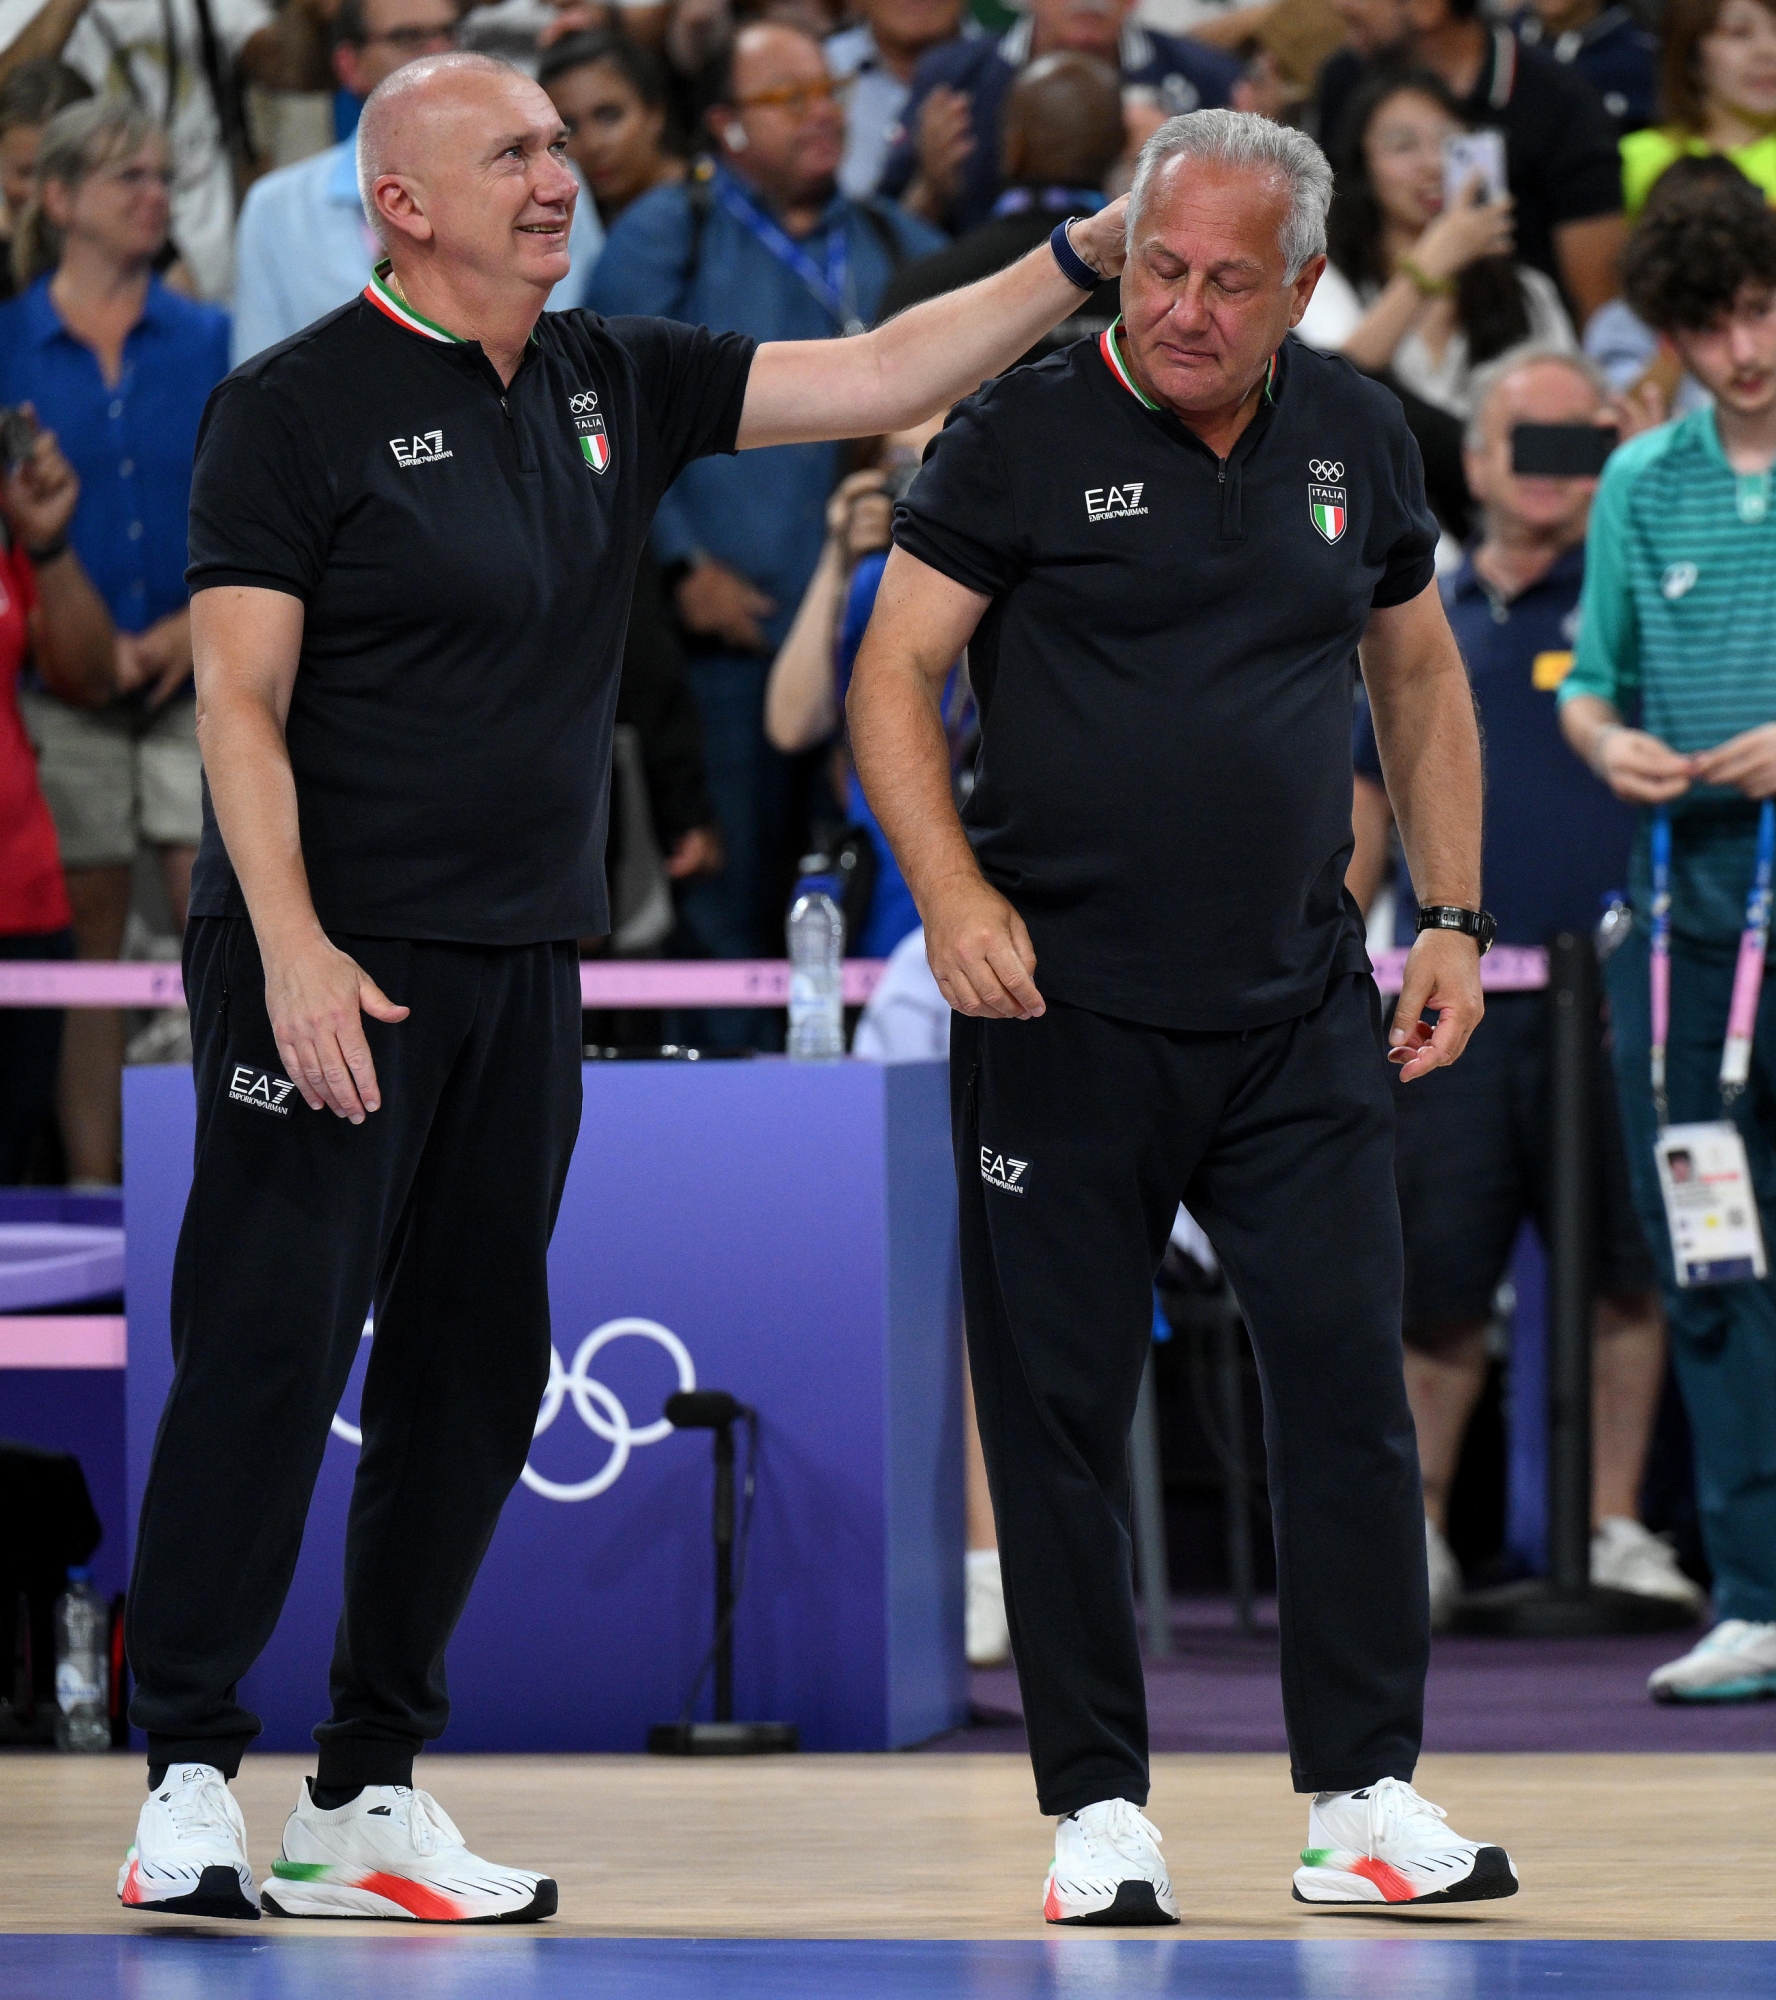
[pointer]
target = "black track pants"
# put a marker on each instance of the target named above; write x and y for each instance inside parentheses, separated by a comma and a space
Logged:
(439, 1208)
(1076, 1137)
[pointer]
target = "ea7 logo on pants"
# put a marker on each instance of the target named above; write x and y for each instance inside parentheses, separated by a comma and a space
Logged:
(1000, 1171)
(426, 449)
(1113, 503)
(262, 1091)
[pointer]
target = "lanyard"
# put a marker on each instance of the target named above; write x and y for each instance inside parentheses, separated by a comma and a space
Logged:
(831, 287)
(1748, 975)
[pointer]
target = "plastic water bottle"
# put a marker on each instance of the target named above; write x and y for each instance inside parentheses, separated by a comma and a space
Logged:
(83, 1666)
(816, 931)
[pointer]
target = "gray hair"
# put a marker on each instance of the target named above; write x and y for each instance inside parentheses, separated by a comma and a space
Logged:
(1241, 139)
(377, 114)
(76, 144)
(1527, 354)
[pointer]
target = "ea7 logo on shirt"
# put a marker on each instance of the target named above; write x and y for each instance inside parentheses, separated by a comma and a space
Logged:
(999, 1170)
(1114, 503)
(262, 1091)
(426, 449)
(595, 444)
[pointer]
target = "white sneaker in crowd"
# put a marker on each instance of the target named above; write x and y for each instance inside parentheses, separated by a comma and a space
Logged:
(1385, 1844)
(986, 1635)
(1625, 1556)
(190, 1856)
(393, 1852)
(1107, 1869)
(1735, 1662)
(1446, 1577)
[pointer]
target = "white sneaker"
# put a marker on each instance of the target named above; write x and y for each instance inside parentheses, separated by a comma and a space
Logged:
(1385, 1844)
(393, 1852)
(1447, 1584)
(1107, 1869)
(987, 1635)
(190, 1856)
(1735, 1662)
(1624, 1556)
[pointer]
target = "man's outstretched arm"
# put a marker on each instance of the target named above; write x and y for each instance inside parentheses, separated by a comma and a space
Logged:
(924, 358)
(979, 951)
(246, 643)
(1430, 756)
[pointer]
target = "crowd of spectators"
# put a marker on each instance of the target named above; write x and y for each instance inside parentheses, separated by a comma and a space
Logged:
(178, 193)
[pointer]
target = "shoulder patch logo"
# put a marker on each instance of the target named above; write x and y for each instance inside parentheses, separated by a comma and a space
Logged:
(1326, 505)
(595, 444)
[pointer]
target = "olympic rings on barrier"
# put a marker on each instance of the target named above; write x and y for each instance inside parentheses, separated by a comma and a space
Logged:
(596, 1406)
(1325, 468)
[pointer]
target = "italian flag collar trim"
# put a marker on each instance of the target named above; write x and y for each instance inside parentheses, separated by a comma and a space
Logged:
(385, 302)
(1110, 349)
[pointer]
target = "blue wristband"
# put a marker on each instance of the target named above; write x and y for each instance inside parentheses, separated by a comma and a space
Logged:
(1074, 268)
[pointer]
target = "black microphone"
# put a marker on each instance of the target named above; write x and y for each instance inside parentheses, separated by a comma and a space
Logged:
(703, 1409)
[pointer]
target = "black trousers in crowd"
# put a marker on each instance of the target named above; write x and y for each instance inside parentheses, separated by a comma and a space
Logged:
(1076, 1137)
(438, 1208)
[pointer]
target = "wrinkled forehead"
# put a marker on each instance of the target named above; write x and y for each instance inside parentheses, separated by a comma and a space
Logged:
(1208, 213)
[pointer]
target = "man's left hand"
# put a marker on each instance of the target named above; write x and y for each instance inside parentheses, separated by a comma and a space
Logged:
(1746, 762)
(1102, 239)
(1443, 978)
(159, 658)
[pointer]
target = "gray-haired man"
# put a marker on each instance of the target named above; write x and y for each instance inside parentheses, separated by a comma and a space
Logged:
(1163, 549)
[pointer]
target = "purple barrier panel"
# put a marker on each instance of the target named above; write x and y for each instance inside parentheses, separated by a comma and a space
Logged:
(782, 1231)
(1526, 1415)
(78, 1410)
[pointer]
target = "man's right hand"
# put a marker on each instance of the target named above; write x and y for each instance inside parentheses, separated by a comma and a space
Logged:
(718, 603)
(314, 994)
(1639, 768)
(980, 953)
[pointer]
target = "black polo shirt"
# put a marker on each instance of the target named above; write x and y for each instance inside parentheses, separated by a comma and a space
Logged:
(1165, 674)
(465, 554)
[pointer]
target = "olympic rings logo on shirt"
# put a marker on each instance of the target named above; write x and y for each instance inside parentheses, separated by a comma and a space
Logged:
(582, 402)
(596, 1406)
(1325, 468)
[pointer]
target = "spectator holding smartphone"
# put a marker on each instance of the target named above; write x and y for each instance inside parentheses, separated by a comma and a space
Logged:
(49, 612)
(1419, 287)
(120, 368)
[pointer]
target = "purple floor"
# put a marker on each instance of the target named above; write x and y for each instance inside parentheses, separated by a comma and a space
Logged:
(1219, 1691)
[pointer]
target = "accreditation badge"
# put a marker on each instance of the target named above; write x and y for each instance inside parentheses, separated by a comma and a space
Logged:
(1716, 1238)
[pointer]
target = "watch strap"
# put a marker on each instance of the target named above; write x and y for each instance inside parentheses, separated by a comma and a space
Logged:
(1477, 924)
(1074, 268)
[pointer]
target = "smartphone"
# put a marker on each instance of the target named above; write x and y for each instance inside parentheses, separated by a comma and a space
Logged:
(1561, 451)
(18, 433)
(1466, 154)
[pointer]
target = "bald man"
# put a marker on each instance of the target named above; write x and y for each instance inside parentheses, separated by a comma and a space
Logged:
(414, 532)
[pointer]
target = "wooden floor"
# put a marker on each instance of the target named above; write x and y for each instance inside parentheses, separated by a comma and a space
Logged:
(952, 1847)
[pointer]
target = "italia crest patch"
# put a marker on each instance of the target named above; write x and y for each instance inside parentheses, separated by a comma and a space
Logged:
(1327, 510)
(595, 444)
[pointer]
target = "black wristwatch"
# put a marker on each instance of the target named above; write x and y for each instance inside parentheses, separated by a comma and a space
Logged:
(1480, 925)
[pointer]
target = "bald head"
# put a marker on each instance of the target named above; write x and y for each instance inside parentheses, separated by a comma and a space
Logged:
(1063, 122)
(462, 171)
(402, 114)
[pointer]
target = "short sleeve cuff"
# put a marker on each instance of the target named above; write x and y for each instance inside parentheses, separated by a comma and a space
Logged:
(948, 553)
(213, 576)
(1401, 586)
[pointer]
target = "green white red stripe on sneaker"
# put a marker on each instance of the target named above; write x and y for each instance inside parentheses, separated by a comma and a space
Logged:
(393, 1852)
(1385, 1844)
(190, 1855)
(1107, 1869)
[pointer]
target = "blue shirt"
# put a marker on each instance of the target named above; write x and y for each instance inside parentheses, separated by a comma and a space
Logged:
(1174, 73)
(1556, 840)
(1613, 53)
(764, 513)
(304, 248)
(132, 445)
(892, 911)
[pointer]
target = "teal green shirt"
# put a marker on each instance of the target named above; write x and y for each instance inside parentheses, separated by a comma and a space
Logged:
(1677, 631)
